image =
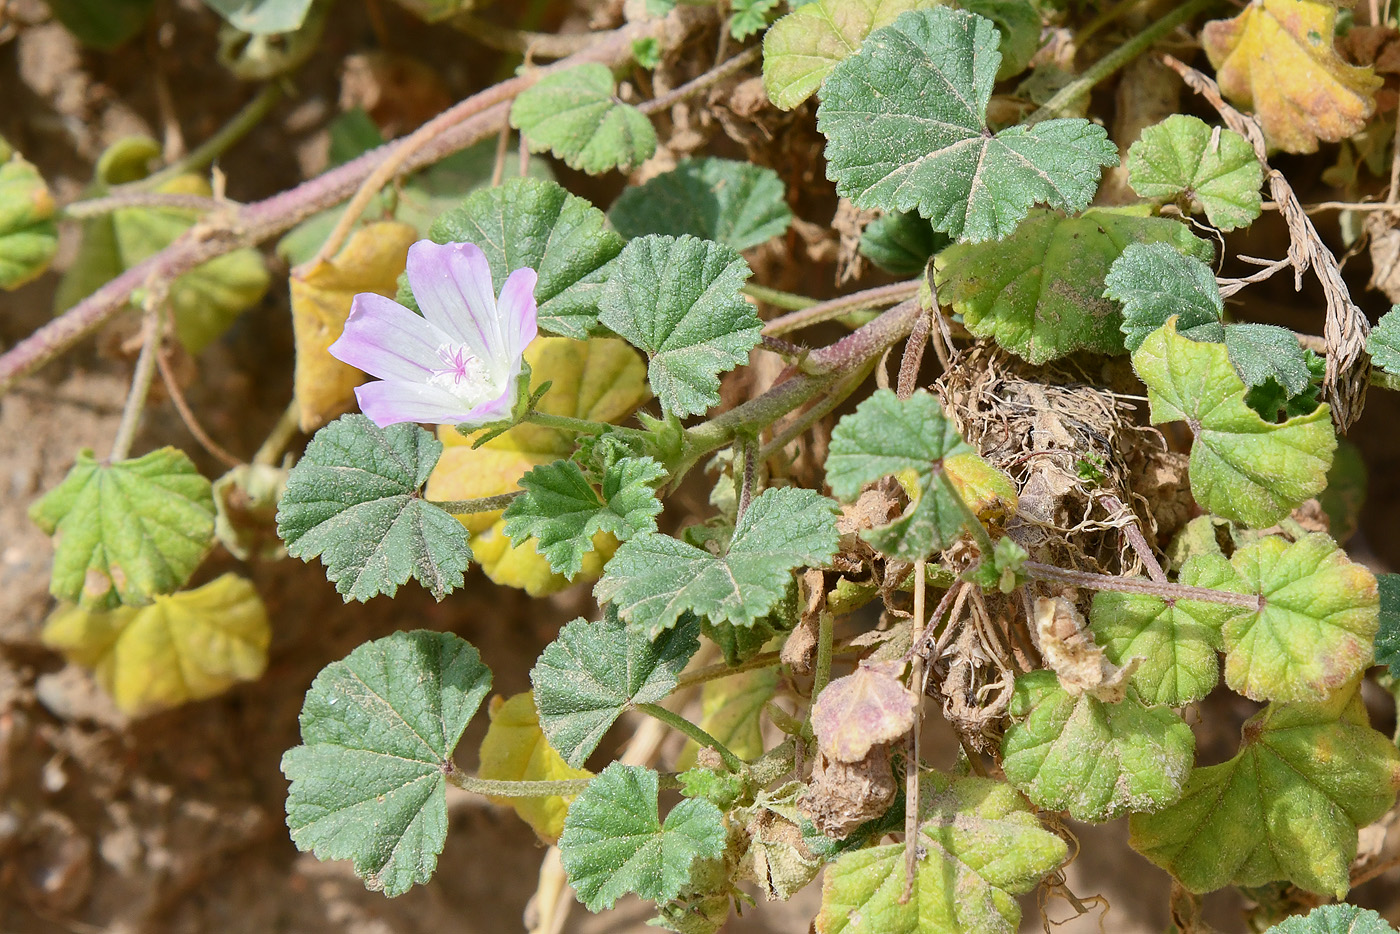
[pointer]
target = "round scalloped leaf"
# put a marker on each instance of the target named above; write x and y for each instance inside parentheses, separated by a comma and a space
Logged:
(1040, 292)
(1215, 168)
(183, 647)
(614, 841)
(1177, 642)
(1334, 919)
(1285, 808)
(735, 203)
(1383, 343)
(575, 114)
(982, 847)
(677, 298)
(1095, 760)
(1316, 629)
(1242, 467)
(1155, 282)
(906, 128)
(127, 532)
(378, 727)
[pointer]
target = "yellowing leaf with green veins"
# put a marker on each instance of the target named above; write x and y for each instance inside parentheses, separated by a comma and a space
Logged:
(183, 647)
(731, 711)
(802, 48)
(205, 300)
(1095, 760)
(576, 115)
(321, 297)
(982, 847)
(1285, 808)
(28, 234)
(515, 750)
(1316, 629)
(1242, 467)
(126, 532)
(1040, 292)
(601, 380)
(1214, 169)
(1177, 642)
(1278, 58)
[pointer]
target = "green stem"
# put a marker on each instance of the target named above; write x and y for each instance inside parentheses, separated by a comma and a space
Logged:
(838, 393)
(817, 312)
(501, 789)
(287, 426)
(203, 155)
(778, 298)
(1116, 59)
(96, 207)
(579, 425)
(140, 387)
(822, 676)
(464, 507)
(1166, 591)
(676, 722)
(721, 670)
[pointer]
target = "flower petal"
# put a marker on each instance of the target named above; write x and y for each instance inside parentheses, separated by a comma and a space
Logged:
(386, 340)
(452, 284)
(388, 402)
(516, 307)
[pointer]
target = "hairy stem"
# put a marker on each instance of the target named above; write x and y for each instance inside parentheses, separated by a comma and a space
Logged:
(140, 387)
(96, 207)
(204, 155)
(465, 507)
(1167, 591)
(821, 674)
(1110, 63)
(566, 787)
(695, 86)
(814, 312)
(778, 298)
(721, 670)
(676, 722)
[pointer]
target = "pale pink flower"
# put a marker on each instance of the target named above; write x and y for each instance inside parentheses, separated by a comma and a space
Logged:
(459, 362)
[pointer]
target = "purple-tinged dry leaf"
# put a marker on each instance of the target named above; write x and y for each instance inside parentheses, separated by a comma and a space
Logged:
(861, 710)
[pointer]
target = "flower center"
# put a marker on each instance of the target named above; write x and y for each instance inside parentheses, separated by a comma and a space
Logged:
(462, 373)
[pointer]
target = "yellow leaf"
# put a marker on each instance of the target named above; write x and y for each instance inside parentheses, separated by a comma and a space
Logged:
(524, 568)
(515, 750)
(989, 493)
(185, 646)
(602, 380)
(370, 262)
(1278, 58)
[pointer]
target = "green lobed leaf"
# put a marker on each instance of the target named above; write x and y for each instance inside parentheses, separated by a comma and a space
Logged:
(536, 223)
(576, 115)
(1285, 808)
(562, 511)
(28, 234)
(887, 436)
(654, 579)
(1334, 919)
(262, 17)
(1155, 282)
(906, 128)
(353, 500)
(750, 16)
(592, 672)
(1177, 642)
(982, 846)
(1095, 760)
(735, 203)
(802, 48)
(1019, 25)
(1040, 292)
(1383, 343)
(1271, 400)
(127, 532)
(1263, 352)
(1388, 631)
(1317, 627)
(1213, 168)
(678, 299)
(1242, 467)
(901, 244)
(378, 727)
(614, 841)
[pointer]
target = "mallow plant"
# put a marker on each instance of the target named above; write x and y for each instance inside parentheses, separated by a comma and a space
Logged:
(1097, 506)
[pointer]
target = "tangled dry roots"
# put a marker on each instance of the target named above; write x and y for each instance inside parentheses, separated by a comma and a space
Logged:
(1069, 446)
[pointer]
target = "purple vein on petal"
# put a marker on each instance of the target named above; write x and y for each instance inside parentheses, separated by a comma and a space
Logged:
(517, 309)
(452, 284)
(390, 401)
(386, 340)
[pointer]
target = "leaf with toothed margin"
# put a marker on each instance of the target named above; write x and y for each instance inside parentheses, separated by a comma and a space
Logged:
(378, 728)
